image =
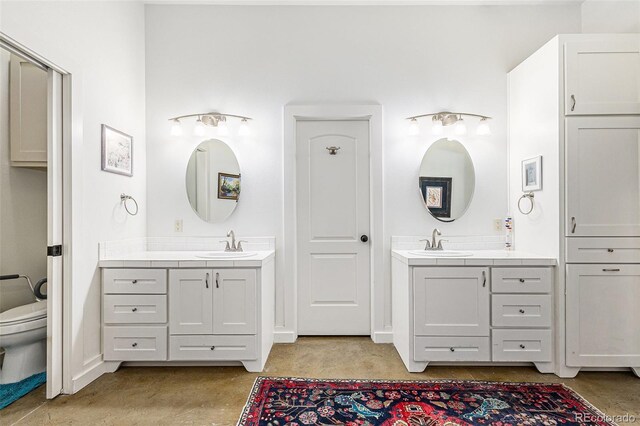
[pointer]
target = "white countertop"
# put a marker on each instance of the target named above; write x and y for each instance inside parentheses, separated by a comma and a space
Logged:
(477, 258)
(182, 259)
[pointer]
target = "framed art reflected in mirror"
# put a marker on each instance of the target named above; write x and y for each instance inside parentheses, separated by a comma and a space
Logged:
(436, 193)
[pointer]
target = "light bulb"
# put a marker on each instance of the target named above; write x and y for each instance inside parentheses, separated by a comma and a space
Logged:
(176, 128)
(199, 128)
(483, 128)
(437, 128)
(414, 128)
(244, 128)
(223, 129)
(461, 127)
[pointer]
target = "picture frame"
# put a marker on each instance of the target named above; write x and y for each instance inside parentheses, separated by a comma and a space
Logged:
(117, 151)
(228, 186)
(532, 174)
(436, 195)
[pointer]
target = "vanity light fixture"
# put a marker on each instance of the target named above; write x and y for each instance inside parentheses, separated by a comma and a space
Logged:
(212, 119)
(414, 127)
(443, 119)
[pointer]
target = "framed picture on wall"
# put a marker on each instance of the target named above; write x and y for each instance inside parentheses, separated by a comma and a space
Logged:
(532, 174)
(228, 186)
(436, 193)
(117, 151)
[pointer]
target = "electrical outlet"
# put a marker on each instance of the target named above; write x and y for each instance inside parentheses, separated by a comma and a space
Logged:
(497, 224)
(178, 225)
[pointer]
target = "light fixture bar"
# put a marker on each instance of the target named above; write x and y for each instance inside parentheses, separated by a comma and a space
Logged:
(445, 113)
(214, 114)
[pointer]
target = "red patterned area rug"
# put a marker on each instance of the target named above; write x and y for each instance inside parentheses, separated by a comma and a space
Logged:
(278, 401)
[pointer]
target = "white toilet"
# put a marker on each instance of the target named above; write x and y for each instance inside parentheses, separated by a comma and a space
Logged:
(23, 335)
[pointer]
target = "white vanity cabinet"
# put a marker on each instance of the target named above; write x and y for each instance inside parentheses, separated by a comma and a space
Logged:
(185, 314)
(471, 314)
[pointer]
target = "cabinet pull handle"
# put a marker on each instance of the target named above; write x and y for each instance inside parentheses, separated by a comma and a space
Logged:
(206, 280)
(134, 344)
(521, 311)
(611, 270)
(484, 279)
(521, 280)
(522, 346)
(213, 347)
(134, 281)
(573, 100)
(452, 349)
(573, 225)
(134, 310)
(610, 250)
(217, 280)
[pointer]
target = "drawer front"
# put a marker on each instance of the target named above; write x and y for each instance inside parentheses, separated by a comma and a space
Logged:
(213, 348)
(135, 281)
(451, 349)
(521, 310)
(135, 308)
(521, 280)
(521, 345)
(603, 250)
(135, 343)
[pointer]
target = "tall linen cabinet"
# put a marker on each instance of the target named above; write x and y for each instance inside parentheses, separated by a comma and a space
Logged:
(576, 102)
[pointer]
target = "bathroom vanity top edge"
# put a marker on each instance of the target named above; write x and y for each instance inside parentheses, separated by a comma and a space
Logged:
(182, 259)
(477, 258)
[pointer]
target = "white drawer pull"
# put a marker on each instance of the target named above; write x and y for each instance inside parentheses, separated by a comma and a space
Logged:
(134, 344)
(134, 310)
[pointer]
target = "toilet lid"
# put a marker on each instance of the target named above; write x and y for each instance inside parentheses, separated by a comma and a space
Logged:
(24, 313)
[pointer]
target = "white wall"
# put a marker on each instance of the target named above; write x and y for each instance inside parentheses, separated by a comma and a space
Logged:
(255, 60)
(105, 42)
(23, 212)
(611, 16)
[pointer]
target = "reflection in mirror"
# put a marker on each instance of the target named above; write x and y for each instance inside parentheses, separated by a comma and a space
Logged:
(213, 181)
(447, 180)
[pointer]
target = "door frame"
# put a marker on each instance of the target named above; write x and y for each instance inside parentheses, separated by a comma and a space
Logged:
(286, 330)
(70, 97)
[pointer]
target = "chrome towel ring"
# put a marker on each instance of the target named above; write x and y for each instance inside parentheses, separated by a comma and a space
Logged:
(124, 198)
(526, 196)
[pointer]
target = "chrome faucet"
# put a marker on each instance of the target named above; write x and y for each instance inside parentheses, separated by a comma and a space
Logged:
(434, 244)
(233, 247)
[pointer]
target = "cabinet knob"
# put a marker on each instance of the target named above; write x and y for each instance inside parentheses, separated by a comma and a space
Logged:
(521, 280)
(522, 346)
(452, 349)
(521, 311)
(213, 347)
(610, 250)
(134, 281)
(134, 344)
(134, 310)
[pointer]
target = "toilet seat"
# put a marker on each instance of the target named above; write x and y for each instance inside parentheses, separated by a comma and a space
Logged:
(23, 318)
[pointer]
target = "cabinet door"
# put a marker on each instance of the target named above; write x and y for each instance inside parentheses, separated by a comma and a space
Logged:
(603, 176)
(602, 77)
(451, 301)
(234, 301)
(603, 315)
(191, 301)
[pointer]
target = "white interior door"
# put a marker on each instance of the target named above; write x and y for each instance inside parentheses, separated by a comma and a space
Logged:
(332, 227)
(54, 234)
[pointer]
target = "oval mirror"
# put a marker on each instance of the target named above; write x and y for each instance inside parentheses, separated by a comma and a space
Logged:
(213, 181)
(447, 180)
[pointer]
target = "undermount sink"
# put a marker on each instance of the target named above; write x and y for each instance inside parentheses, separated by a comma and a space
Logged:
(225, 254)
(441, 253)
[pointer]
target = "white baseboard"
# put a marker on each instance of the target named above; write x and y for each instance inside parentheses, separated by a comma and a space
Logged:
(382, 337)
(90, 374)
(284, 337)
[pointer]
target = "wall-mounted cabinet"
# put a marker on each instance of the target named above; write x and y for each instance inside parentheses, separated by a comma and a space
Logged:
(28, 114)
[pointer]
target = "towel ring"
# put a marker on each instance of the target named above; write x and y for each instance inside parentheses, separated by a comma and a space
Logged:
(124, 198)
(528, 196)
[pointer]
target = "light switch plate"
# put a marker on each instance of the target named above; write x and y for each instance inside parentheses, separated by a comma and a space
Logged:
(178, 225)
(497, 225)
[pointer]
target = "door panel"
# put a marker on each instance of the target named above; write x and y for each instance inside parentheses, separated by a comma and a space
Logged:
(602, 77)
(332, 214)
(190, 301)
(603, 316)
(451, 301)
(603, 176)
(234, 301)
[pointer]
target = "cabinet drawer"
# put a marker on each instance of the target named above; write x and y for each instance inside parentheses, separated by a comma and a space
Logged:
(451, 349)
(135, 308)
(136, 281)
(521, 280)
(135, 343)
(212, 348)
(520, 310)
(603, 250)
(521, 345)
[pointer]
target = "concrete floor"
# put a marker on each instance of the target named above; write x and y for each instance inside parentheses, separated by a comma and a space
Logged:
(216, 395)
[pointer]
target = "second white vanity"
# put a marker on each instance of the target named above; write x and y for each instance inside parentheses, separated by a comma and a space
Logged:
(480, 307)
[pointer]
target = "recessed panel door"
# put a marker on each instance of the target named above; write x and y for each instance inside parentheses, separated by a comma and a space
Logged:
(190, 301)
(333, 227)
